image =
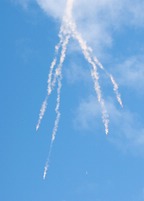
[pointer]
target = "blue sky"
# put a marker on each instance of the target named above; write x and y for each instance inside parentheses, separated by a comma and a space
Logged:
(85, 164)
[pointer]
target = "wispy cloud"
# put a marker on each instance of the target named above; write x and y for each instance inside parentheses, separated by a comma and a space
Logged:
(87, 114)
(24, 3)
(130, 73)
(102, 18)
(96, 20)
(126, 128)
(77, 73)
(53, 8)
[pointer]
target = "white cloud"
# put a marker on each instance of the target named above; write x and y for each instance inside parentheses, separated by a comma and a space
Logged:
(130, 73)
(24, 3)
(137, 12)
(87, 114)
(97, 20)
(54, 8)
(77, 73)
(126, 130)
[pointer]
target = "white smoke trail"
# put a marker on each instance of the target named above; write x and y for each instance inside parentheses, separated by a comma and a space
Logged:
(54, 129)
(116, 90)
(95, 77)
(50, 82)
(86, 52)
(105, 116)
(64, 30)
(49, 90)
(59, 75)
(115, 85)
(41, 114)
(64, 39)
(98, 63)
(45, 169)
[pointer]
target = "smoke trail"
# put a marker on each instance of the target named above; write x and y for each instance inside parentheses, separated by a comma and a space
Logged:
(86, 52)
(54, 129)
(49, 90)
(116, 90)
(50, 82)
(41, 114)
(59, 69)
(115, 85)
(55, 126)
(64, 39)
(59, 75)
(98, 63)
(105, 116)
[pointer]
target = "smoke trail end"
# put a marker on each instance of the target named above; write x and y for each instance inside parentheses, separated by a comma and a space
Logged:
(45, 170)
(41, 114)
(115, 85)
